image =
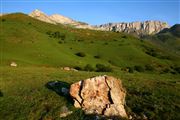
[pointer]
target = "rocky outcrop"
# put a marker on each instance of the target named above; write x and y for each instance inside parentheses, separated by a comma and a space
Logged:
(58, 19)
(62, 19)
(103, 95)
(140, 28)
(41, 16)
(13, 64)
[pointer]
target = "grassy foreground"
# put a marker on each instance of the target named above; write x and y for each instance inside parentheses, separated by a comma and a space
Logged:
(25, 96)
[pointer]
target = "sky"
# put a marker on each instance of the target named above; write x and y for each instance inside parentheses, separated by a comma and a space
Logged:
(97, 12)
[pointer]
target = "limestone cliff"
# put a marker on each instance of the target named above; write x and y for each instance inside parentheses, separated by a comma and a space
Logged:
(139, 28)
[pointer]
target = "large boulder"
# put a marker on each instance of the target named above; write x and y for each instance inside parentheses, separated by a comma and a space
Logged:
(103, 95)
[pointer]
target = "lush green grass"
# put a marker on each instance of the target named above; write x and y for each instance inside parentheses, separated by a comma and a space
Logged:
(27, 42)
(25, 95)
(38, 54)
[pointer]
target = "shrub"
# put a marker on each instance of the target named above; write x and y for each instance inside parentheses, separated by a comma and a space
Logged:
(103, 68)
(81, 40)
(62, 37)
(60, 42)
(3, 20)
(149, 68)
(139, 68)
(130, 69)
(177, 69)
(81, 54)
(105, 43)
(124, 36)
(97, 56)
(92, 42)
(56, 35)
(1, 94)
(109, 61)
(166, 70)
(48, 32)
(77, 68)
(88, 67)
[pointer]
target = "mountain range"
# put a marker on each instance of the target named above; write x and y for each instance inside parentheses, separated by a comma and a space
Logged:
(139, 28)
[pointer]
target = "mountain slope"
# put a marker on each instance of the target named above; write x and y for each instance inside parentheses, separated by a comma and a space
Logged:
(28, 43)
(169, 39)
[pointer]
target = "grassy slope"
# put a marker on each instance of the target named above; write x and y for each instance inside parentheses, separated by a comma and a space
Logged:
(24, 95)
(169, 39)
(25, 41)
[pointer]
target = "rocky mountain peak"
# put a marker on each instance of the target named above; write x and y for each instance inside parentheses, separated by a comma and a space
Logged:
(140, 28)
(37, 12)
(41, 16)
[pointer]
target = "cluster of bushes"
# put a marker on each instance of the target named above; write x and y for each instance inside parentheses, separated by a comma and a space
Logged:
(56, 35)
(98, 68)
(164, 70)
(154, 53)
(82, 54)
(103, 68)
(139, 68)
(172, 70)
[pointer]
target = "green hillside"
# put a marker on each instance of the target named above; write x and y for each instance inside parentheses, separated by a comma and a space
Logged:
(168, 39)
(30, 42)
(149, 71)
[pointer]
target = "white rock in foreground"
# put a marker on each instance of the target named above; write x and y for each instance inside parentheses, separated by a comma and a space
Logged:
(103, 95)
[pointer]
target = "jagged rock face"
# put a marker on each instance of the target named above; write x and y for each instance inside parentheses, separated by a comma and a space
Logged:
(140, 28)
(41, 16)
(56, 19)
(103, 95)
(61, 19)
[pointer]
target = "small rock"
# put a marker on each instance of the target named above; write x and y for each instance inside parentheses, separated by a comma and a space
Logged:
(68, 69)
(65, 91)
(144, 117)
(130, 117)
(65, 112)
(13, 64)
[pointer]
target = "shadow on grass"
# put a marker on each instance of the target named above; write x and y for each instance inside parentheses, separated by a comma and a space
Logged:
(1, 94)
(80, 115)
(61, 88)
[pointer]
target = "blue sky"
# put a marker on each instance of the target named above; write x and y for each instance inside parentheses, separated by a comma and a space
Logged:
(101, 11)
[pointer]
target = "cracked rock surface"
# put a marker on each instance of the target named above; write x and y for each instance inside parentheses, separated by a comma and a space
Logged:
(103, 95)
